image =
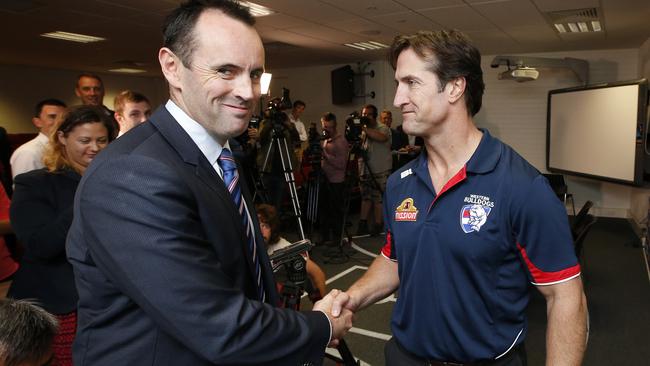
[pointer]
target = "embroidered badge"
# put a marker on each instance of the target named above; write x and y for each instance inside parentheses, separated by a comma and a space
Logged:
(406, 211)
(475, 215)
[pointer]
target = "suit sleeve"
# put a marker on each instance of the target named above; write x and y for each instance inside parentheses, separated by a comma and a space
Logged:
(36, 219)
(145, 232)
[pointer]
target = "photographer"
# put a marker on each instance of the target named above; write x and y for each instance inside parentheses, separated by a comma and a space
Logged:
(269, 225)
(335, 159)
(275, 123)
(374, 171)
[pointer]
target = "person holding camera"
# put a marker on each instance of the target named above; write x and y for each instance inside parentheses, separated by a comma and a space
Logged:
(374, 168)
(335, 159)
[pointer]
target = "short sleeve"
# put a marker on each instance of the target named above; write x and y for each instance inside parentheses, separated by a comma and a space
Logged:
(541, 227)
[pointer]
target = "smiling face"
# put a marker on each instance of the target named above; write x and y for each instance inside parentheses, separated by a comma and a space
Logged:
(220, 88)
(82, 144)
(90, 91)
(420, 97)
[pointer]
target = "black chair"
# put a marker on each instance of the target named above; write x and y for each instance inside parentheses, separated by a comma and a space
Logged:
(557, 183)
(579, 219)
(582, 232)
(580, 227)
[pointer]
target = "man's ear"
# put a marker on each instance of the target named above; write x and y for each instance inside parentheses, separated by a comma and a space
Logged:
(171, 66)
(457, 89)
(37, 122)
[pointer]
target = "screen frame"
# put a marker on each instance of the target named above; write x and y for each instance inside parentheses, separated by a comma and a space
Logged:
(641, 123)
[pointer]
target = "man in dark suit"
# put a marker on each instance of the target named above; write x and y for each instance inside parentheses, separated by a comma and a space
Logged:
(168, 258)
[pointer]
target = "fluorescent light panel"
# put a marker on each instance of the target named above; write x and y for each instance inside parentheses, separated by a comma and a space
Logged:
(73, 37)
(256, 9)
(368, 45)
(578, 27)
(126, 70)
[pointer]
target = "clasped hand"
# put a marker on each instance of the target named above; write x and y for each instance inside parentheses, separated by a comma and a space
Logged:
(339, 308)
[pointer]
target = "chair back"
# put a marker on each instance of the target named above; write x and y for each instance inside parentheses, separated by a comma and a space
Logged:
(579, 219)
(581, 234)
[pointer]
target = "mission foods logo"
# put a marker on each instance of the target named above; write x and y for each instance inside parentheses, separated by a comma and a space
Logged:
(474, 215)
(406, 211)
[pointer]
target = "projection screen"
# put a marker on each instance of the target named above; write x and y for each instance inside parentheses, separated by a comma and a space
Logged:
(598, 131)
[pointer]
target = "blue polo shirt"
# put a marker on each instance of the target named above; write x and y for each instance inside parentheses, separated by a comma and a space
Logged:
(467, 255)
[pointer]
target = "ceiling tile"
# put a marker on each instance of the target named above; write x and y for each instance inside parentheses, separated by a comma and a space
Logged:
(463, 18)
(511, 13)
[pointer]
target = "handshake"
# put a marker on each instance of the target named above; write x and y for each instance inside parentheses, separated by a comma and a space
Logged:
(339, 308)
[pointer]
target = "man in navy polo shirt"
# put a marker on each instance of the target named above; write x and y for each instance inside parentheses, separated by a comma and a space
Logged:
(470, 225)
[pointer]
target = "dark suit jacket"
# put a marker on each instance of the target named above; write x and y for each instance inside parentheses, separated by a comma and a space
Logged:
(41, 214)
(161, 264)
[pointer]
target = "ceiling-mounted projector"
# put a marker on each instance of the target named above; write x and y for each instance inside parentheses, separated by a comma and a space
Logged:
(523, 68)
(520, 74)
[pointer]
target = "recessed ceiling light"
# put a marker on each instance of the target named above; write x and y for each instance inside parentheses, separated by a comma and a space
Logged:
(573, 27)
(126, 70)
(596, 26)
(368, 45)
(256, 9)
(583, 27)
(73, 37)
(560, 28)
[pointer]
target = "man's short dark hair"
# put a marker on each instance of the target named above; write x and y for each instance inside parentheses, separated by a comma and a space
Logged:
(26, 332)
(373, 108)
(299, 102)
(329, 117)
(178, 27)
(50, 101)
(89, 75)
(450, 55)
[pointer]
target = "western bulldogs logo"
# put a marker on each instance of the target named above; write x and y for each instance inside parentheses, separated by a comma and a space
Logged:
(472, 217)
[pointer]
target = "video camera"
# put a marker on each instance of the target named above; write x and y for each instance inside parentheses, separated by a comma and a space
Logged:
(354, 127)
(274, 110)
(314, 151)
(293, 261)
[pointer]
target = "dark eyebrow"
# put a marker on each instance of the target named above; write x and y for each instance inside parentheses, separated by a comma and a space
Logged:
(226, 66)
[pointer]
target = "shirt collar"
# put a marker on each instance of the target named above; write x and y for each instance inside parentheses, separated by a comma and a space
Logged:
(483, 160)
(205, 142)
(486, 156)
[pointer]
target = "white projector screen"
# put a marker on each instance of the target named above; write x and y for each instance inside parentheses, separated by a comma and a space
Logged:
(598, 131)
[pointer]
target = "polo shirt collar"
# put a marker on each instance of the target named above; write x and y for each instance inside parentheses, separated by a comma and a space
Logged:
(486, 156)
(484, 159)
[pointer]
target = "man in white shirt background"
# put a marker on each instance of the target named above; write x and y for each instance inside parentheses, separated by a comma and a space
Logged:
(29, 156)
(298, 109)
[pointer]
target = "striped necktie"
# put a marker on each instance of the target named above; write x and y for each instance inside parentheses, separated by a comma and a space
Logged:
(231, 179)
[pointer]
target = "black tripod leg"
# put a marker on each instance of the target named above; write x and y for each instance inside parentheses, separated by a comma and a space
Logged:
(346, 355)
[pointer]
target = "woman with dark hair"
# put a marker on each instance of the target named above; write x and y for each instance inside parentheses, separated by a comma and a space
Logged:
(41, 214)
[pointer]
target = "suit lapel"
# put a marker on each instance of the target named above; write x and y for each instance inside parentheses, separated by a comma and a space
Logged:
(192, 155)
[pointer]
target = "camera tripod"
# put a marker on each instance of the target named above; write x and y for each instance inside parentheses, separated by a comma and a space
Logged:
(279, 145)
(292, 290)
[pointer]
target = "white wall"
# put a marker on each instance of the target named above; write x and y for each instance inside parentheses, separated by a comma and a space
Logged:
(514, 112)
(21, 87)
(313, 86)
